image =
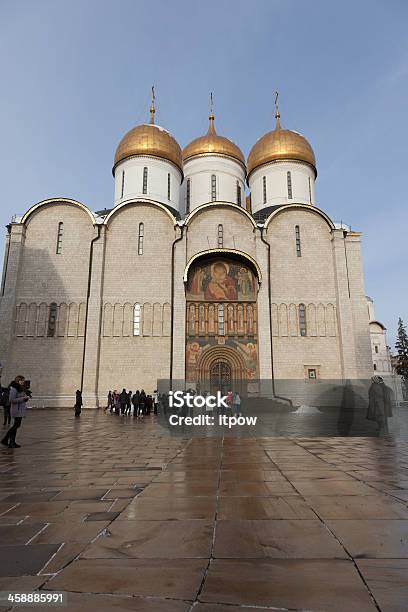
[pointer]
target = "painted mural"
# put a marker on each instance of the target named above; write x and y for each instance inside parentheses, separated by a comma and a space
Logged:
(221, 281)
(247, 349)
(221, 311)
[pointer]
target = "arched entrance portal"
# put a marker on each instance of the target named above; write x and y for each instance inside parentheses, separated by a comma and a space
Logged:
(221, 368)
(220, 377)
(221, 324)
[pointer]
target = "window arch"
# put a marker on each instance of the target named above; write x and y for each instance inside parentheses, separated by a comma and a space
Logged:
(221, 325)
(302, 319)
(145, 179)
(136, 320)
(140, 239)
(60, 234)
(122, 189)
(297, 241)
(213, 188)
(289, 180)
(220, 236)
(188, 196)
(52, 320)
(264, 189)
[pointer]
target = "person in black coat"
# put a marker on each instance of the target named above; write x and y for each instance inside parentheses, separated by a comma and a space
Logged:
(78, 403)
(123, 399)
(135, 402)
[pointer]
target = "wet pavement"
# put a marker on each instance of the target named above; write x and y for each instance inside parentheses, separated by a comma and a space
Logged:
(121, 516)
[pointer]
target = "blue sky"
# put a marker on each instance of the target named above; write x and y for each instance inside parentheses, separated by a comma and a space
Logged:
(76, 75)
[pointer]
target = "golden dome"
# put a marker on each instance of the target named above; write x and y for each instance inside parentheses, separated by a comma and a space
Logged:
(280, 145)
(212, 144)
(149, 139)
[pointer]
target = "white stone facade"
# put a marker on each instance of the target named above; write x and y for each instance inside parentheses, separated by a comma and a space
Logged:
(99, 302)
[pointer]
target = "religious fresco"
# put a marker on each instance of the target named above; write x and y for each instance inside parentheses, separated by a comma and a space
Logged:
(221, 311)
(247, 349)
(221, 281)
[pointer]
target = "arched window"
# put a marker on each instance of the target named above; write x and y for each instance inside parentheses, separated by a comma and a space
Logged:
(122, 190)
(310, 191)
(188, 196)
(60, 233)
(289, 179)
(220, 236)
(221, 326)
(213, 188)
(168, 186)
(297, 240)
(264, 189)
(302, 319)
(239, 199)
(52, 320)
(145, 180)
(136, 320)
(140, 239)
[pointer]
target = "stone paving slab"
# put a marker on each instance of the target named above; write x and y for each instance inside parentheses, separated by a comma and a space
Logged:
(124, 517)
(287, 583)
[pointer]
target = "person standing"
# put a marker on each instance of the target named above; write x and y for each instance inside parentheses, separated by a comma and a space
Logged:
(237, 404)
(155, 401)
(18, 402)
(5, 402)
(123, 398)
(78, 403)
(142, 403)
(110, 401)
(379, 404)
(135, 402)
(128, 403)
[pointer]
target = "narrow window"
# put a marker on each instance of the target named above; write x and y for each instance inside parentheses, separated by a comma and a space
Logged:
(221, 329)
(375, 366)
(289, 177)
(311, 373)
(144, 180)
(302, 319)
(264, 189)
(220, 236)
(239, 199)
(136, 320)
(60, 233)
(310, 191)
(188, 196)
(52, 320)
(297, 236)
(213, 188)
(168, 186)
(122, 190)
(141, 237)
(376, 348)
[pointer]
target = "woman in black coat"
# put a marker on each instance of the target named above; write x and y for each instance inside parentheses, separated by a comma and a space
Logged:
(78, 403)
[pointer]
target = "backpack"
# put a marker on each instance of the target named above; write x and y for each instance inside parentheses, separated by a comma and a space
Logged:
(5, 397)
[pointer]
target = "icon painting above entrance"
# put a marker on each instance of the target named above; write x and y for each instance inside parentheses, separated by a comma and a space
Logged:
(221, 321)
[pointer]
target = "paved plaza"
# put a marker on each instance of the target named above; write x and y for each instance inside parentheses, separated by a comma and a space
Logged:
(122, 516)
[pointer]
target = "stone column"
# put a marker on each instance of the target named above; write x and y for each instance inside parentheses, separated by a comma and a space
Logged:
(344, 306)
(179, 312)
(14, 245)
(92, 338)
(362, 341)
(264, 319)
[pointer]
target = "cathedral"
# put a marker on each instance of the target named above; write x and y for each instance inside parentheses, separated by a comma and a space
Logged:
(210, 270)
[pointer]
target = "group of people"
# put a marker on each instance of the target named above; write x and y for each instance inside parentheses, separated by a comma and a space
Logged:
(126, 403)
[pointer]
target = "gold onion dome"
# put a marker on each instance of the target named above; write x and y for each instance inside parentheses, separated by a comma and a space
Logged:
(280, 145)
(152, 140)
(212, 144)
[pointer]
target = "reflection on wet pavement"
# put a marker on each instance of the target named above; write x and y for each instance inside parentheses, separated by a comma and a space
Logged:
(122, 516)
